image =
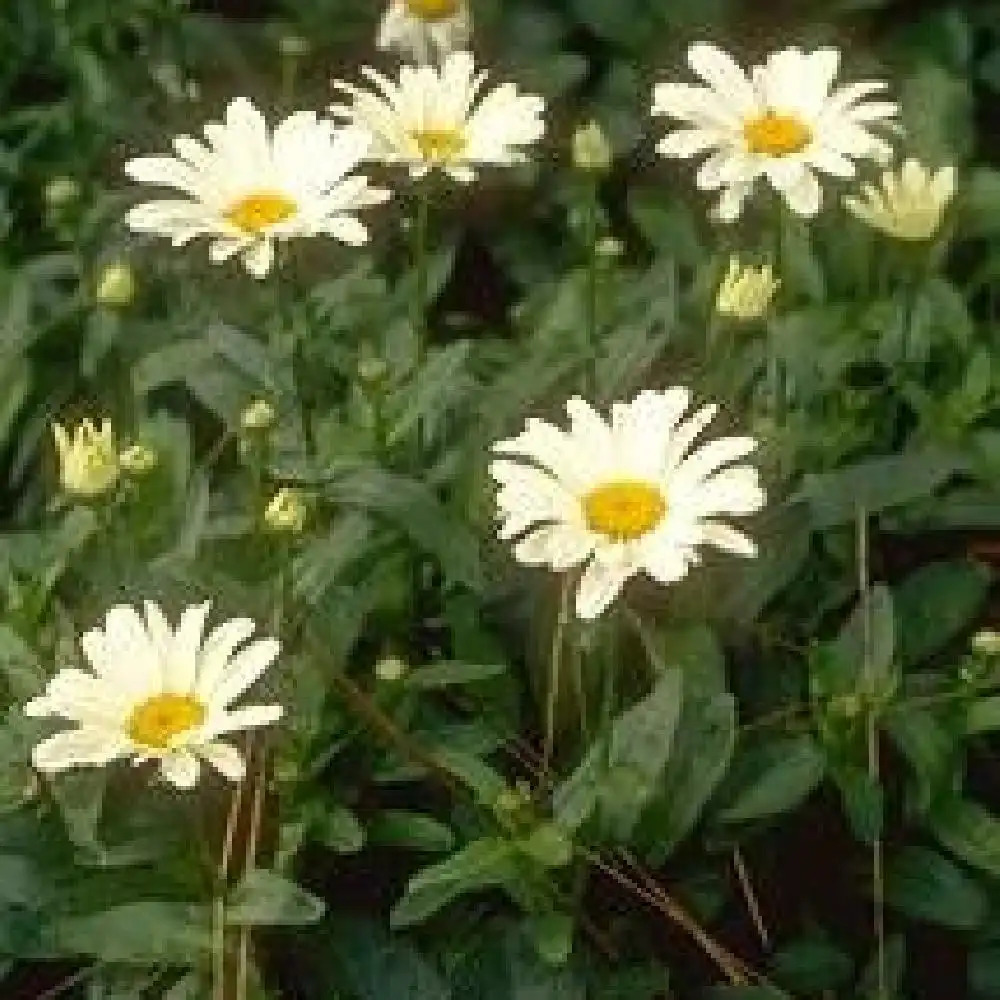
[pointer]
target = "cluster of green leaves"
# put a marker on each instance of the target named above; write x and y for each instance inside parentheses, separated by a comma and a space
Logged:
(410, 817)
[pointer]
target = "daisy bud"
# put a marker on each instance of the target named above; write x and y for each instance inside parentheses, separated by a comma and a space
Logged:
(390, 669)
(88, 458)
(591, 150)
(258, 416)
(910, 204)
(116, 286)
(293, 46)
(138, 460)
(286, 511)
(609, 246)
(746, 291)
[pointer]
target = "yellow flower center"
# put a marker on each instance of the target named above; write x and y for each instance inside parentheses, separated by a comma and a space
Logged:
(253, 213)
(624, 510)
(432, 10)
(159, 719)
(773, 134)
(439, 145)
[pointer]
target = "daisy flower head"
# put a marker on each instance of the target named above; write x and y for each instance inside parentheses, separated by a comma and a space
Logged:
(784, 121)
(248, 186)
(442, 118)
(88, 457)
(425, 29)
(623, 496)
(156, 693)
(910, 203)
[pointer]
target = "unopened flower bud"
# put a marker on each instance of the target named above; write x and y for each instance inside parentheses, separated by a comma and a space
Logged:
(746, 291)
(88, 458)
(986, 642)
(591, 149)
(286, 511)
(138, 459)
(391, 668)
(259, 415)
(116, 286)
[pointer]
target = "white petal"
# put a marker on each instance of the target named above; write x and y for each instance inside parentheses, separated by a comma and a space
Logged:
(247, 717)
(720, 71)
(180, 769)
(123, 654)
(688, 142)
(84, 747)
(559, 546)
(804, 195)
(728, 539)
(213, 658)
(243, 669)
(258, 258)
(600, 584)
(347, 229)
(710, 457)
(182, 667)
(80, 697)
(227, 760)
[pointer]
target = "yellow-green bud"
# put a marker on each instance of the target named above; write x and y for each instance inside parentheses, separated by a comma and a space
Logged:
(746, 291)
(259, 415)
(286, 511)
(591, 149)
(391, 668)
(116, 285)
(138, 459)
(293, 46)
(987, 642)
(61, 191)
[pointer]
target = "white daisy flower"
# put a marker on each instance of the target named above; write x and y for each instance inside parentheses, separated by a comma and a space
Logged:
(785, 121)
(425, 29)
(624, 497)
(439, 118)
(156, 693)
(250, 187)
(910, 204)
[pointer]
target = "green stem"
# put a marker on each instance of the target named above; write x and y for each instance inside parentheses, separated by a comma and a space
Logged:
(555, 669)
(590, 302)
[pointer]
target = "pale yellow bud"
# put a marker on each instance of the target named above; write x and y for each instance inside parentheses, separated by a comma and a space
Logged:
(116, 286)
(910, 203)
(746, 291)
(609, 246)
(138, 459)
(258, 416)
(286, 511)
(293, 46)
(88, 458)
(391, 668)
(591, 149)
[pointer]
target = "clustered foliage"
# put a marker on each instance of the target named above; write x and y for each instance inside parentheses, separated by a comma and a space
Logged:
(767, 776)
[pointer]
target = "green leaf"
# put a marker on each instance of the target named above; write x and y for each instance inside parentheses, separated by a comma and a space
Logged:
(412, 507)
(338, 828)
(774, 778)
(485, 863)
(552, 936)
(874, 484)
(146, 932)
(984, 971)
(703, 748)
(841, 668)
(969, 831)
(925, 885)
(622, 772)
(934, 604)
(264, 897)
(983, 716)
(547, 845)
(863, 801)
(397, 828)
(440, 675)
(812, 966)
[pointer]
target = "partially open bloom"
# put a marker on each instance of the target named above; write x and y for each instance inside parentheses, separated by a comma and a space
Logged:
(249, 187)
(286, 511)
(88, 458)
(425, 29)
(156, 693)
(624, 497)
(910, 203)
(784, 121)
(746, 291)
(439, 118)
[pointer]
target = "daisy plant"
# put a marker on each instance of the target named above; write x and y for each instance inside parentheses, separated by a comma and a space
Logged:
(784, 121)
(249, 187)
(157, 693)
(425, 29)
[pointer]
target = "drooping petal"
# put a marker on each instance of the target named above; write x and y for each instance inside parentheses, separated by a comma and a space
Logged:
(84, 747)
